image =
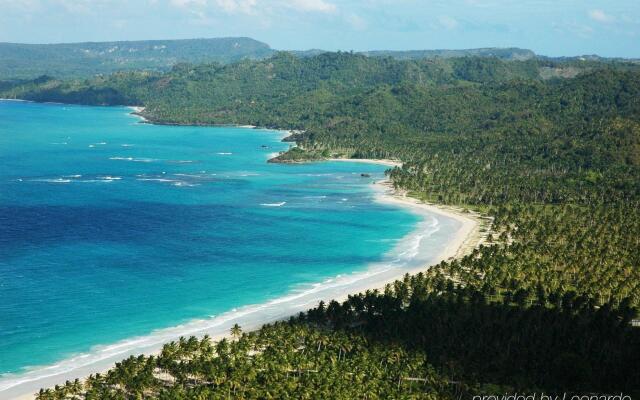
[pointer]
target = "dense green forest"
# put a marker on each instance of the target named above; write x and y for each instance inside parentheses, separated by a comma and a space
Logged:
(509, 53)
(549, 148)
(81, 60)
(64, 60)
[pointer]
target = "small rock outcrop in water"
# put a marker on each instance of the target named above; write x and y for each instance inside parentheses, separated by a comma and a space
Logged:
(365, 175)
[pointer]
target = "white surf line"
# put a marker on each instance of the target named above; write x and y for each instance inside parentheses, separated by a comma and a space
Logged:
(251, 317)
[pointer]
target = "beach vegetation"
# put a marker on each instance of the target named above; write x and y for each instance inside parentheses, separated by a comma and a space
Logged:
(552, 160)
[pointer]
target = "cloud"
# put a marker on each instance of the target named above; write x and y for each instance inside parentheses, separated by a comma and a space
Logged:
(19, 3)
(313, 5)
(252, 7)
(76, 7)
(67, 6)
(188, 3)
(600, 16)
(448, 22)
(358, 23)
(574, 28)
(237, 6)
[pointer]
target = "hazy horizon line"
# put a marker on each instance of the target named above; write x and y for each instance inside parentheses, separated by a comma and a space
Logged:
(321, 49)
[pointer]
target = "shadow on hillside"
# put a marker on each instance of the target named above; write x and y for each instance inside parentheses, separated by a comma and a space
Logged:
(572, 347)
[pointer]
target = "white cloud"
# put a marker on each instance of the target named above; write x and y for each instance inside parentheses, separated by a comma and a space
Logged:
(601, 16)
(27, 4)
(68, 6)
(188, 3)
(312, 5)
(574, 28)
(252, 7)
(448, 22)
(358, 23)
(77, 7)
(237, 6)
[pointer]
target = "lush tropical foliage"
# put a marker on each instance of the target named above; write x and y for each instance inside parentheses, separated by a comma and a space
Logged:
(77, 60)
(27, 61)
(549, 149)
(422, 338)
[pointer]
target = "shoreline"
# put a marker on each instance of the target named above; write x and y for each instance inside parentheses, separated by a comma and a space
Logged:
(138, 110)
(469, 236)
(466, 238)
(385, 162)
(102, 358)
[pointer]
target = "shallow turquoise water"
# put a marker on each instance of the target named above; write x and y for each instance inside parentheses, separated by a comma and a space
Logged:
(110, 228)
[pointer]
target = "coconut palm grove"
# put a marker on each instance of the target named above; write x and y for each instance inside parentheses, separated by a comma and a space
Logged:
(546, 150)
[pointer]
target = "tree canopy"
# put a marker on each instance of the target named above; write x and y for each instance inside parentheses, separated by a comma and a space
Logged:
(549, 149)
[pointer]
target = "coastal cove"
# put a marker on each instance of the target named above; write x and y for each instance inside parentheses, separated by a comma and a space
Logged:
(281, 237)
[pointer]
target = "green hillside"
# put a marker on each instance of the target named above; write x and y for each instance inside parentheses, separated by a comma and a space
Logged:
(553, 160)
(88, 59)
(509, 53)
(69, 60)
(77, 60)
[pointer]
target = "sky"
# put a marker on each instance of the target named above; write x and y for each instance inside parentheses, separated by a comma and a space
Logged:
(549, 27)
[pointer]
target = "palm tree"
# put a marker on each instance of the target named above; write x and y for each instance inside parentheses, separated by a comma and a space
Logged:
(236, 331)
(322, 340)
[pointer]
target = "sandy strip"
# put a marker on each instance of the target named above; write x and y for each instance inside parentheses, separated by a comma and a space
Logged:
(137, 111)
(465, 239)
(388, 163)
(468, 237)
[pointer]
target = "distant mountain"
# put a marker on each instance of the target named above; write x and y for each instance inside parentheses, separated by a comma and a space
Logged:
(79, 60)
(507, 54)
(308, 53)
(591, 57)
(510, 53)
(87, 59)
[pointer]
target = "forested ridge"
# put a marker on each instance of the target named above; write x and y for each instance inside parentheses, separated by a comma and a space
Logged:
(67, 60)
(88, 59)
(545, 305)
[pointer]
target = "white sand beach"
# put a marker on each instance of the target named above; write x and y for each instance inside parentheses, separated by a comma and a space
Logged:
(466, 237)
(137, 111)
(388, 163)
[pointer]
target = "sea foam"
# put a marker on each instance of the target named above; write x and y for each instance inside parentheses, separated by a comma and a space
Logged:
(274, 204)
(403, 258)
(134, 159)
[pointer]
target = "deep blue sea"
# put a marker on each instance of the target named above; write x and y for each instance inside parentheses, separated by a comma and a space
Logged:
(111, 228)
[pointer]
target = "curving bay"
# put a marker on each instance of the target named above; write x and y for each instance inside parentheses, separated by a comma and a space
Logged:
(117, 236)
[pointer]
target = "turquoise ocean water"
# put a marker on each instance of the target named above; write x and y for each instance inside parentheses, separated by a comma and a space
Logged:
(112, 229)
